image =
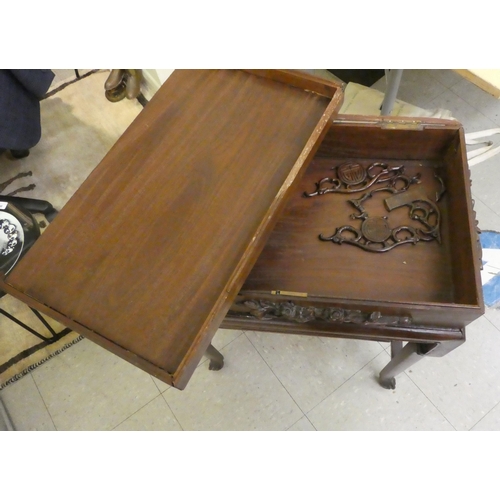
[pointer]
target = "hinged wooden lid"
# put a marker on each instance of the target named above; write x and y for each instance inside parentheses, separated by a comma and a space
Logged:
(147, 256)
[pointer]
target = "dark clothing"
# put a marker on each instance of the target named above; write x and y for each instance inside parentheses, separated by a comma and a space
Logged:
(20, 94)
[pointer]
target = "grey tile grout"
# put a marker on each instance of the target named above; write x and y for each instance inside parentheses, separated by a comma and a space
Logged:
(133, 413)
(474, 196)
(277, 378)
(472, 105)
(498, 403)
(430, 401)
(144, 405)
(484, 416)
(428, 101)
(156, 385)
(304, 416)
(453, 84)
(315, 406)
(486, 317)
(173, 413)
(162, 394)
(344, 382)
(44, 403)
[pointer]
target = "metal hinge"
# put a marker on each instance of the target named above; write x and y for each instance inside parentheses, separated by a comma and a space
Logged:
(291, 294)
(406, 125)
(393, 124)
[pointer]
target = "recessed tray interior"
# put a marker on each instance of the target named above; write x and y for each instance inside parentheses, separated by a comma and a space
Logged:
(295, 259)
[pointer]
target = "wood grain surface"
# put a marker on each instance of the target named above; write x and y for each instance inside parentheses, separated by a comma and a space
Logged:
(154, 246)
(436, 284)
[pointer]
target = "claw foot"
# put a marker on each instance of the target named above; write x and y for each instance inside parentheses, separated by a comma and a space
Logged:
(388, 383)
(215, 365)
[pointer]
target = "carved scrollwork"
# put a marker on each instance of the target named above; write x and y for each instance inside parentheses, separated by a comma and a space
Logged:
(354, 178)
(267, 310)
(375, 234)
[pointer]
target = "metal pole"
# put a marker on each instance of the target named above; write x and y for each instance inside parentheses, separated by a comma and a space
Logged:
(393, 81)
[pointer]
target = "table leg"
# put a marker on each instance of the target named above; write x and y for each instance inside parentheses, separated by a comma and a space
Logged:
(215, 357)
(404, 357)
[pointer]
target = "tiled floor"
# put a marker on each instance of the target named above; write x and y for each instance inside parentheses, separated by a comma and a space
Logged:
(277, 382)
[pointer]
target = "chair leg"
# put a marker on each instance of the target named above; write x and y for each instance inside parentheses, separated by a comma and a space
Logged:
(215, 357)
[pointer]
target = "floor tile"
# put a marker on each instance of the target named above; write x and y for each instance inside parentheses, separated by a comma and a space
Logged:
(62, 76)
(468, 115)
(486, 181)
(419, 88)
(490, 422)
(26, 407)
(493, 315)
(244, 395)
(447, 77)
(222, 338)
(302, 425)
(311, 368)
(465, 384)
(88, 388)
(380, 85)
(488, 220)
(162, 386)
(361, 404)
(155, 416)
(487, 104)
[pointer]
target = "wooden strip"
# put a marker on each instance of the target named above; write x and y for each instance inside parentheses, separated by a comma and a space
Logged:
(384, 333)
(481, 82)
(199, 346)
(300, 80)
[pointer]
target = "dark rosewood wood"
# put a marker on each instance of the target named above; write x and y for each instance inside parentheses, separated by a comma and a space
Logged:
(216, 359)
(299, 80)
(148, 255)
(436, 284)
(427, 292)
(382, 333)
(403, 358)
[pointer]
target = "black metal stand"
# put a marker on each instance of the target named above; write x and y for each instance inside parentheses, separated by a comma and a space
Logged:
(53, 334)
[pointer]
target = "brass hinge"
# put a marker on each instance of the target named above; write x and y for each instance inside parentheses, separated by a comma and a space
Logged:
(406, 125)
(291, 294)
(393, 124)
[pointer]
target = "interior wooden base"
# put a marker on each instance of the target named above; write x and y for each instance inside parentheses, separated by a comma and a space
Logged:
(295, 259)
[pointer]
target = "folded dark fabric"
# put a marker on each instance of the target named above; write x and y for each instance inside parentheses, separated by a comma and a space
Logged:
(20, 94)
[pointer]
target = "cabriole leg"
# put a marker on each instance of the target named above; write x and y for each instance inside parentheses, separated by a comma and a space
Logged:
(402, 358)
(215, 357)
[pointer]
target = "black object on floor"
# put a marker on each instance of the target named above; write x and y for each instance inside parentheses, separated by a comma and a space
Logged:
(17, 154)
(366, 77)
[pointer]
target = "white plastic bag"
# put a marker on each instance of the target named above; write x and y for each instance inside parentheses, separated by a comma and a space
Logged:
(484, 153)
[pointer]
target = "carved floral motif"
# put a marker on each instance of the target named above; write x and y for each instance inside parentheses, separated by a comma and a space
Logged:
(267, 310)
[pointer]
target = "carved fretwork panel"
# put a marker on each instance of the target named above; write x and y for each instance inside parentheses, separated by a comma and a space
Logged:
(267, 310)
